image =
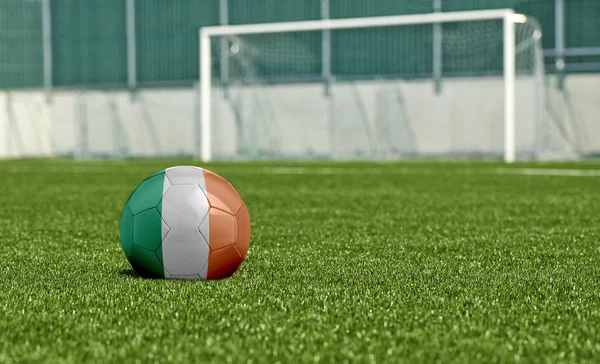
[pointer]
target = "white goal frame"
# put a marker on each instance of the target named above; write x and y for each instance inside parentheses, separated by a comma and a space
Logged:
(509, 17)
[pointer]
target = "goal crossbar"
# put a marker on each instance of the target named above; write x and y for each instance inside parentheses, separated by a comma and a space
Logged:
(509, 17)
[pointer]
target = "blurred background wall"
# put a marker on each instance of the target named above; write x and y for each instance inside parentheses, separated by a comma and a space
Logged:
(134, 63)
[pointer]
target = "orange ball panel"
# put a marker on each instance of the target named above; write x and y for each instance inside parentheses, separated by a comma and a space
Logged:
(223, 263)
(222, 229)
(221, 193)
(242, 222)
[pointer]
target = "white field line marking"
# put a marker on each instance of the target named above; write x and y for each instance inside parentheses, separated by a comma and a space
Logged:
(328, 170)
(67, 169)
(550, 172)
(415, 170)
(124, 168)
(219, 169)
(410, 170)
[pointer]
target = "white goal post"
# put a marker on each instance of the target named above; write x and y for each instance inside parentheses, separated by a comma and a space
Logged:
(508, 16)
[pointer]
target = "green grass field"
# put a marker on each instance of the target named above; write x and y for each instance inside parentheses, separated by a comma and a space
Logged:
(411, 262)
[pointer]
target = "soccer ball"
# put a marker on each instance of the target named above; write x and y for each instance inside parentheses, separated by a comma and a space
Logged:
(185, 223)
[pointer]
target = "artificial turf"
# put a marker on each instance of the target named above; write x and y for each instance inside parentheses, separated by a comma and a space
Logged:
(401, 262)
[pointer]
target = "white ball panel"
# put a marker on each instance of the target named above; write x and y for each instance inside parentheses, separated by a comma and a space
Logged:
(185, 175)
(185, 253)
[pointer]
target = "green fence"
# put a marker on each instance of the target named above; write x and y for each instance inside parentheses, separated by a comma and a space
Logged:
(89, 42)
(21, 52)
(89, 38)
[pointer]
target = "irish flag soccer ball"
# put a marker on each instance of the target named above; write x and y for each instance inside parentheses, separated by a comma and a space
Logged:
(185, 223)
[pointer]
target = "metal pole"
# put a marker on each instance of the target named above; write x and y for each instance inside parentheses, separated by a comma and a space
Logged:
(47, 48)
(540, 100)
(224, 44)
(358, 23)
(509, 89)
(131, 45)
(9, 125)
(203, 143)
(81, 130)
(559, 20)
(437, 49)
(326, 75)
(326, 48)
(196, 153)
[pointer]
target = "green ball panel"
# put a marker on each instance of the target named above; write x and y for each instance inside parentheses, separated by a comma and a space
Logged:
(146, 263)
(147, 229)
(127, 230)
(159, 254)
(148, 194)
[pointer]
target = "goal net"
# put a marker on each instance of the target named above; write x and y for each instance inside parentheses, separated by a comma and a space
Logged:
(441, 85)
